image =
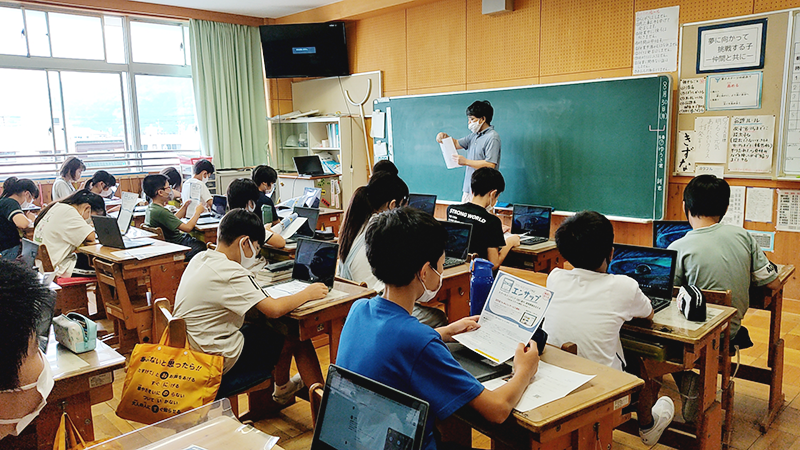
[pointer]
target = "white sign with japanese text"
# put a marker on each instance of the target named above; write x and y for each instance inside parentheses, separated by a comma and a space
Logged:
(737, 91)
(751, 143)
(730, 47)
(655, 41)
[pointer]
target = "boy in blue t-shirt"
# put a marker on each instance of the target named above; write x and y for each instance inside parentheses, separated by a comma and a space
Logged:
(383, 341)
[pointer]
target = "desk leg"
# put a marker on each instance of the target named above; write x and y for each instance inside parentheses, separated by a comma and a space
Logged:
(774, 361)
(336, 334)
(727, 388)
(709, 423)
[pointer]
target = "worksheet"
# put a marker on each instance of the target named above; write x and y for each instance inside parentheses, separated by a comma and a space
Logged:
(549, 384)
(449, 152)
(510, 316)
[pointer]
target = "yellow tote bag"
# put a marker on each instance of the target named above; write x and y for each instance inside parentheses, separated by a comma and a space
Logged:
(163, 381)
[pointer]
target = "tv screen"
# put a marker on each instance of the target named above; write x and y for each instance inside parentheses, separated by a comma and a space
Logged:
(305, 50)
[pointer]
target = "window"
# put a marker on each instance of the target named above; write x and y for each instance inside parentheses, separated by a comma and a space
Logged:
(114, 91)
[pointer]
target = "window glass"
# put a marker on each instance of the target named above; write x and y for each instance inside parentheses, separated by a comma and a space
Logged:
(167, 119)
(12, 37)
(24, 117)
(36, 23)
(115, 43)
(74, 36)
(157, 43)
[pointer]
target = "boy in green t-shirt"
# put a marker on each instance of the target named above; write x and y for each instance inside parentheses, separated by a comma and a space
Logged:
(157, 188)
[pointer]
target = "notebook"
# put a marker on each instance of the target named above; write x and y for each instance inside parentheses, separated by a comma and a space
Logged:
(653, 268)
(666, 232)
(308, 166)
(108, 233)
(357, 413)
(457, 246)
(532, 223)
(423, 202)
(314, 262)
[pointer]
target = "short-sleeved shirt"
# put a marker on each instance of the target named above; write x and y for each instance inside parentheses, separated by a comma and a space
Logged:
(589, 308)
(481, 146)
(264, 200)
(213, 296)
(9, 233)
(157, 216)
(186, 193)
(487, 229)
(721, 257)
(62, 230)
(382, 341)
(61, 189)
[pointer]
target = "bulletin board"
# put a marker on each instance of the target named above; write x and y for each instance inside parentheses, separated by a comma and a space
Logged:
(748, 143)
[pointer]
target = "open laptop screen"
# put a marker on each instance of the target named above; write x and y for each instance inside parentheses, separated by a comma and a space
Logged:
(308, 165)
(666, 232)
(312, 216)
(423, 202)
(652, 268)
(534, 220)
(315, 261)
(360, 414)
(458, 237)
(220, 204)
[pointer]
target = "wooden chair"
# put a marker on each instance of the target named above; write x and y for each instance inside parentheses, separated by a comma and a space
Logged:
(73, 293)
(127, 303)
(315, 400)
(211, 245)
(350, 282)
(155, 230)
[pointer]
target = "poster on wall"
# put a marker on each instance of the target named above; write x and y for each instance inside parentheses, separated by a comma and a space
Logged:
(712, 139)
(692, 96)
(734, 91)
(751, 143)
(729, 47)
(684, 163)
(655, 41)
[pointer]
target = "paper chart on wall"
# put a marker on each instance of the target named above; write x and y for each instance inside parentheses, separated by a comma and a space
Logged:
(655, 42)
(378, 129)
(684, 162)
(734, 91)
(692, 96)
(735, 214)
(788, 210)
(712, 139)
(751, 143)
(759, 205)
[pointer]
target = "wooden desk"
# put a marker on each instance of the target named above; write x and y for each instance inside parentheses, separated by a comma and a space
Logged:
(454, 294)
(76, 389)
(542, 257)
(584, 419)
(208, 232)
(329, 217)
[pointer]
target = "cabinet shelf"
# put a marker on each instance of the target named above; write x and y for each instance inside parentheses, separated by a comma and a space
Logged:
(326, 149)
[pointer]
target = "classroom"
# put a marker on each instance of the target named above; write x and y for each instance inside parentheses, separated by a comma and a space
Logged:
(220, 175)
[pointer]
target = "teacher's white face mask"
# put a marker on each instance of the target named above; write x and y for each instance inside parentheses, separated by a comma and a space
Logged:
(44, 384)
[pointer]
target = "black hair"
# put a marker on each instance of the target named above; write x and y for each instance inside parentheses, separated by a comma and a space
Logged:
(239, 222)
(71, 165)
(400, 241)
(585, 239)
(706, 196)
(481, 109)
(264, 174)
(202, 165)
(14, 185)
(487, 179)
(382, 188)
(105, 177)
(384, 165)
(173, 176)
(152, 184)
(79, 197)
(22, 301)
(241, 191)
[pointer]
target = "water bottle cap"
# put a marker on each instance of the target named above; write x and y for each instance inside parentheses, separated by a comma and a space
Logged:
(482, 267)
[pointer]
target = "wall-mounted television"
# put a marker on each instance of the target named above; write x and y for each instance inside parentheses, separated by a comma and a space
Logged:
(305, 50)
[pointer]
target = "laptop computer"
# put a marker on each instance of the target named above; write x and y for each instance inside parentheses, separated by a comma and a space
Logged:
(479, 367)
(219, 206)
(312, 217)
(107, 230)
(308, 166)
(423, 202)
(666, 232)
(652, 268)
(358, 413)
(125, 216)
(532, 223)
(457, 246)
(314, 262)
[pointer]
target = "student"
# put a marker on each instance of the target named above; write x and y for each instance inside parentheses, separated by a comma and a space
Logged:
(385, 165)
(157, 188)
(718, 257)
(65, 225)
(589, 307)
(25, 375)
(243, 193)
(102, 184)
(217, 289)
(70, 172)
(175, 180)
(487, 229)
(381, 340)
(482, 144)
(202, 170)
(17, 194)
(265, 178)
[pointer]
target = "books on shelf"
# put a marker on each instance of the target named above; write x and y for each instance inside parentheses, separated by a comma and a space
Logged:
(333, 134)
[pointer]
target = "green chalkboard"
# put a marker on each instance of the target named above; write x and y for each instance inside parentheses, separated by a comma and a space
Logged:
(598, 145)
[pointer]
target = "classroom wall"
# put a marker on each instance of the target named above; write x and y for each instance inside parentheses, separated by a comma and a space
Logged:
(448, 45)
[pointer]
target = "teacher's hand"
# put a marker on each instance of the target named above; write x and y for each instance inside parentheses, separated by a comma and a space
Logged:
(460, 160)
(441, 136)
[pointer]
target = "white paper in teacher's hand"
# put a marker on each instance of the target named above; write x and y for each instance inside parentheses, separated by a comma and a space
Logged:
(449, 152)
(512, 313)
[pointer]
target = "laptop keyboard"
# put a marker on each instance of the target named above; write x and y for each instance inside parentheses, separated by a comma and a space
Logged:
(450, 261)
(659, 304)
(533, 240)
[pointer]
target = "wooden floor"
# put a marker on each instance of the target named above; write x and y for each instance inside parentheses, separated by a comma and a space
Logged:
(293, 424)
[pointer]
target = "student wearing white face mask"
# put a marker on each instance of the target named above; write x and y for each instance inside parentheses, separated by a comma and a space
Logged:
(102, 184)
(25, 376)
(18, 194)
(217, 289)
(243, 193)
(265, 178)
(482, 144)
(194, 189)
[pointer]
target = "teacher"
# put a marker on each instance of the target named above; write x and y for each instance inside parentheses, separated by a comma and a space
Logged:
(482, 144)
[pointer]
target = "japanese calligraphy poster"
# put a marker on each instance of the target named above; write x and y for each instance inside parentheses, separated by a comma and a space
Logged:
(729, 47)
(684, 163)
(512, 313)
(655, 41)
(735, 214)
(737, 91)
(712, 139)
(751, 143)
(692, 96)
(788, 210)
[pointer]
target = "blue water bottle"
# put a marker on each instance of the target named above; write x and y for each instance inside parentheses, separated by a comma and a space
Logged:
(480, 284)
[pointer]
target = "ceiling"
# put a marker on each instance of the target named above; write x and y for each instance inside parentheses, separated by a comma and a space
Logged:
(256, 8)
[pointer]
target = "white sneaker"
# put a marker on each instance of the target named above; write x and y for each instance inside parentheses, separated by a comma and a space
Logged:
(663, 412)
(285, 394)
